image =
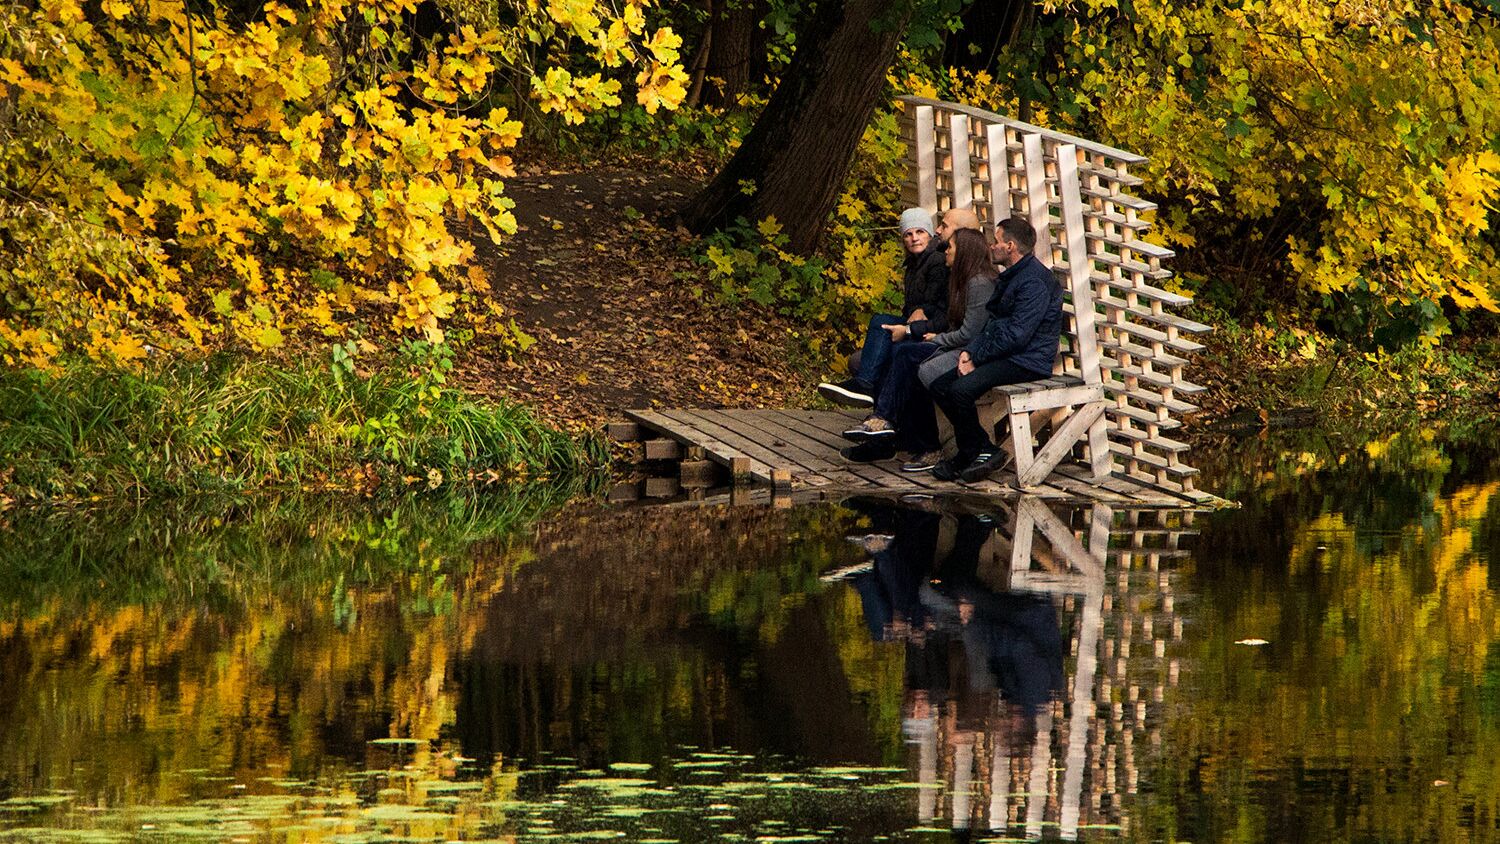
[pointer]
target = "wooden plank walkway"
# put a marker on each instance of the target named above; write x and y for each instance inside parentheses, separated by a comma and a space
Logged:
(798, 451)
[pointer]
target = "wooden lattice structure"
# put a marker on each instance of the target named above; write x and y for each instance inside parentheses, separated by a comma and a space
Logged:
(1090, 231)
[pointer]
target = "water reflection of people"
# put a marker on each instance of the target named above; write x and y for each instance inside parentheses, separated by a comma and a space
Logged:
(981, 663)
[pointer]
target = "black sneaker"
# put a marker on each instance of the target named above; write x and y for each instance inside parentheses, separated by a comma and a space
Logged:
(868, 452)
(986, 464)
(949, 470)
(850, 392)
(922, 462)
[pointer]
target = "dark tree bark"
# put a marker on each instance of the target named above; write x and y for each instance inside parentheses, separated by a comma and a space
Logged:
(988, 28)
(798, 153)
(733, 26)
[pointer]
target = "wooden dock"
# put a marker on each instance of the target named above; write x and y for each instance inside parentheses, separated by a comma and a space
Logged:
(797, 451)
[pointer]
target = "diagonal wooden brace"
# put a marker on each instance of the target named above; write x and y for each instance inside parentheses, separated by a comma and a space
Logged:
(1036, 468)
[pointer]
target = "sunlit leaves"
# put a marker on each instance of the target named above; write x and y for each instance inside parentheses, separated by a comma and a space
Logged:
(196, 166)
(1371, 122)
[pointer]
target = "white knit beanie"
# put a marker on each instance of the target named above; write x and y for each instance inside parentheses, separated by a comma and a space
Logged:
(916, 218)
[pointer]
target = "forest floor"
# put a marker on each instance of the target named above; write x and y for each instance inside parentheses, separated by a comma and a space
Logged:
(603, 286)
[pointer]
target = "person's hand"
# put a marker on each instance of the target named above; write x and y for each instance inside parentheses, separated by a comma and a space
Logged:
(929, 336)
(916, 315)
(898, 332)
(965, 363)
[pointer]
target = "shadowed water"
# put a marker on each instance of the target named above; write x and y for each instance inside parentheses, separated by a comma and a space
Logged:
(1319, 665)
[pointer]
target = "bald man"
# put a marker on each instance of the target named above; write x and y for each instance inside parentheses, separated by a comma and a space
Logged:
(955, 219)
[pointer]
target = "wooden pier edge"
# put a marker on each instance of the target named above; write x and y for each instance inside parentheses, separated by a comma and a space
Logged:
(764, 447)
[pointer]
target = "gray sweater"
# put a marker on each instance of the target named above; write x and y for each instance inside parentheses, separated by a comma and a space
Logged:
(981, 287)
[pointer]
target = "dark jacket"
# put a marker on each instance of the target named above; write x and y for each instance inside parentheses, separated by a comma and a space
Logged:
(925, 286)
(1025, 319)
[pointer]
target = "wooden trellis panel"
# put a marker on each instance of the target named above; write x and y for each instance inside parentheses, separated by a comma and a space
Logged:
(967, 157)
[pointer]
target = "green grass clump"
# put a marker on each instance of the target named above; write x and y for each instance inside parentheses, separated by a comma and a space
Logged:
(225, 423)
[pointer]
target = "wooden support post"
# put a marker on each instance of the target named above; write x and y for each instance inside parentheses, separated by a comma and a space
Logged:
(623, 432)
(662, 487)
(623, 491)
(697, 474)
(663, 450)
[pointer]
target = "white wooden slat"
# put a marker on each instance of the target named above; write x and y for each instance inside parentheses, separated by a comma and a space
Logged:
(1078, 264)
(926, 159)
(1000, 202)
(958, 146)
(1037, 208)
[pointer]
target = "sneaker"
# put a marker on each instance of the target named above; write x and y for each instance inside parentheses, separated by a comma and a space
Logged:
(850, 392)
(846, 572)
(949, 470)
(873, 428)
(922, 462)
(869, 452)
(986, 464)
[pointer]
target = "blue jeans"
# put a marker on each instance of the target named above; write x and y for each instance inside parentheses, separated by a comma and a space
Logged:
(904, 402)
(875, 355)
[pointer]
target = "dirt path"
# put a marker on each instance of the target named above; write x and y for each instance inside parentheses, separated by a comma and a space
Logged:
(604, 290)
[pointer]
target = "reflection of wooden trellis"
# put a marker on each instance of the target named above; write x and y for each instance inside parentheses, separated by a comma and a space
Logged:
(1119, 679)
(967, 157)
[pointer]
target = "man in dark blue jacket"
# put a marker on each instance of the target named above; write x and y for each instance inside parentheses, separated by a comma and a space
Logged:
(1018, 344)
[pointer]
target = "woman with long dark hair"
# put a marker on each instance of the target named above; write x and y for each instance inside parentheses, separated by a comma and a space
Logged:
(904, 415)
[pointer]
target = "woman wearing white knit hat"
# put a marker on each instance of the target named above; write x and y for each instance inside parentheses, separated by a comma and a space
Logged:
(924, 310)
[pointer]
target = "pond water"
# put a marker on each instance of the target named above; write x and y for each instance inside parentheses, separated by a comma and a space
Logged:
(1319, 665)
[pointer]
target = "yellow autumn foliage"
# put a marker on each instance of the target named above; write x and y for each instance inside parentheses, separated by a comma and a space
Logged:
(1356, 139)
(173, 178)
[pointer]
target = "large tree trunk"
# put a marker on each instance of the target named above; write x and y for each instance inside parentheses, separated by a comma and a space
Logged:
(729, 52)
(794, 160)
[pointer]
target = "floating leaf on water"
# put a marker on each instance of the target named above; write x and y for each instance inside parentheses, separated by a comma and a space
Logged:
(626, 812)
(1113, 827)
(606, 783)
(712, 763)
(445, 786)
(391, 741)
(786, 839)
(633, 767)
(402, 814)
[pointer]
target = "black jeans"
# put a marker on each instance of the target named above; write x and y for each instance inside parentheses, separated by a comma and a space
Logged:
(957, 396)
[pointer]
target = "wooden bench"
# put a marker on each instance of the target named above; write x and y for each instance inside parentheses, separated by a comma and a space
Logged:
(1119, 375)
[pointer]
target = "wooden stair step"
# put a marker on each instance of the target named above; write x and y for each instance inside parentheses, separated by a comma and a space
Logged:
(1138, 351)
(1176, 344)
(1125, 452)
(1142, 416)
(1140, 396)
(1156, 379)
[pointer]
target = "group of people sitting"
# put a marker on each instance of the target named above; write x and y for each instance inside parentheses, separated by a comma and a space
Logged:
(963, 329)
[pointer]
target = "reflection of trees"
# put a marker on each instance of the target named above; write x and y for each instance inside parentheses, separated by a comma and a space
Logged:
(1366, 716)
(278, 641)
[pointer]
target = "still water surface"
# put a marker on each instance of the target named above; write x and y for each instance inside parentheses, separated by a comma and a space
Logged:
(1319, 665)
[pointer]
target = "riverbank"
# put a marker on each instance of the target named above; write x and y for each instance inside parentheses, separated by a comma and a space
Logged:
(228, 424)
